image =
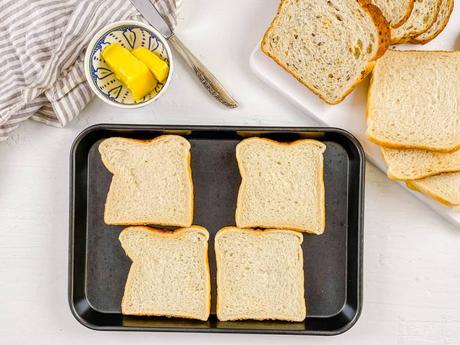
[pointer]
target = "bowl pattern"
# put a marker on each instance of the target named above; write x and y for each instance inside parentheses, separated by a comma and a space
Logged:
(130, 37)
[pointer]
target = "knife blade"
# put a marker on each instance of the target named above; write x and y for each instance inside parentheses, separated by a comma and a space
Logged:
(149, 12)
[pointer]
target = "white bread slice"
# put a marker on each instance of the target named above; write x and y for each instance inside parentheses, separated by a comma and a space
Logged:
(413, 100)
(421, 19)
(396, 12)
(169, 275)
(282, 185)
(444, 188)
(329, 46)
(445, 11)
(416, 164)
(152, 181)
(259, 275)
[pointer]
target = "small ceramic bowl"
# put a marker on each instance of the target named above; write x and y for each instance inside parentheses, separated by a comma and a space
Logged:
(130, 34)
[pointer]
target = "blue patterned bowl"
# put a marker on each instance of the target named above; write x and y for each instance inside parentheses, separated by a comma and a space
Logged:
(130, 34)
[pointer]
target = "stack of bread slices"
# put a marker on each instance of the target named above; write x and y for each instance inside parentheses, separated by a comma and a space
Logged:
(421, 21)
(331, 46)
(414, 115)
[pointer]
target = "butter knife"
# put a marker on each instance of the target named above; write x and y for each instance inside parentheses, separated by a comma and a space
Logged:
(207, 79)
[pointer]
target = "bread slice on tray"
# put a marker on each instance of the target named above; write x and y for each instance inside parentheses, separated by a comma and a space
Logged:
(152, 181)
(416, 164)
(413, 100)
(396, 12)
(444, 188)
(421, 19)
(259, 275)
(169, 275)
(282, 185)
(329, 46)
(442, 19)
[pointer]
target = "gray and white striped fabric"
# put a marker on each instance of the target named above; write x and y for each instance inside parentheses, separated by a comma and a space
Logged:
(42, 48)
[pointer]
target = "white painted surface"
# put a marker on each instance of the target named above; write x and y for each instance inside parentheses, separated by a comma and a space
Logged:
(411, 256)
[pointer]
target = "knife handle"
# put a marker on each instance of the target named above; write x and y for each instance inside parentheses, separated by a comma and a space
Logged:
(206, 78)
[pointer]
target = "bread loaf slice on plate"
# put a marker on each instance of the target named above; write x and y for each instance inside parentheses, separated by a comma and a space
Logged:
(282, 185)
(413, 100)
(442, 19)
(169, 275)
(396, 12)
(416, 164)
(444, 188)
(259, 275)
(421, 19)
(329, 46)
(152, 181)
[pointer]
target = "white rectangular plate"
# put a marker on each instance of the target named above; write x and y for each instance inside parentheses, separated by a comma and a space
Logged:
(350, 114)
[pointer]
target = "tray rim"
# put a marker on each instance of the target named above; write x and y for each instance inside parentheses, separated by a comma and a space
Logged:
(143, 127)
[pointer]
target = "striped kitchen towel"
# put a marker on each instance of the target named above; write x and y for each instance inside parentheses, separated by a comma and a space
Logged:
(42, 49)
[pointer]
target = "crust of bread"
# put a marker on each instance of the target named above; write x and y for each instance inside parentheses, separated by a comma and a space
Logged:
(406, 16)
(321, 183)
(397, 145)
(384, 33)
(425, 191)
(408, 38)
(383, 29)
(189, 173)
(176, 233)
(439, 30)
(218, 263)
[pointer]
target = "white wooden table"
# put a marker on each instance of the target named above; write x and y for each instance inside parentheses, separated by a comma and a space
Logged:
(411, 256)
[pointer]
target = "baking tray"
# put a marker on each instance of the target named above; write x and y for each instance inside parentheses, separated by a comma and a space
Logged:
(98, 266)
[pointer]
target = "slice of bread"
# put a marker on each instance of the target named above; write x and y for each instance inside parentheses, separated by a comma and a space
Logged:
(444, 188)
(416, 164)
(169, 275)
(152, 181)
(413, 100)
(445, 11)
(282, 185)
(329, 46)
(259, 275)
(396, 12)
(421, 19)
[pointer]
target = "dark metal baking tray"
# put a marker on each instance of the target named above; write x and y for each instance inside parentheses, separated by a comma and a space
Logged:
(98, 265)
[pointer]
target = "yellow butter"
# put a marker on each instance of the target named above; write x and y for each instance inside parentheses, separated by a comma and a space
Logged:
(156, 65)
(129, 70)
